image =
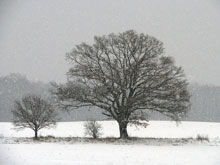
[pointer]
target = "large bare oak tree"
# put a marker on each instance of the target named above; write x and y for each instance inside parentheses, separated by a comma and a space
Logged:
(33, 112)
(124, 74)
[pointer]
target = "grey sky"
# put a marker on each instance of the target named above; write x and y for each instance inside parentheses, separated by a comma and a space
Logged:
(35, 35)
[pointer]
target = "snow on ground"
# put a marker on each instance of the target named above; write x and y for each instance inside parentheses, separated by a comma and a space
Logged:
(156, 129)
(107, 154)
(45, 153)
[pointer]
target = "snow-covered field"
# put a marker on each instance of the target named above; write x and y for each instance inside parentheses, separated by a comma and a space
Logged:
(156, 129)
(44, 153)
(107, 154)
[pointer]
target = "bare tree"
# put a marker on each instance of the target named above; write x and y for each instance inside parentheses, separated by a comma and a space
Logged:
(33, 112)
(92, 128)
(124, 74)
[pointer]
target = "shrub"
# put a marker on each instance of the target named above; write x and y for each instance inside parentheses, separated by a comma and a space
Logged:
(93, 129)
(202, 137)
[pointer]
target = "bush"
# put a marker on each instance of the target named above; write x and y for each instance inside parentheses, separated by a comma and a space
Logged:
(93, 129)
(202, 137)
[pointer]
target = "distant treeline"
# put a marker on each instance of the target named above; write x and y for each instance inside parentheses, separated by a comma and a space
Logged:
(205, 101)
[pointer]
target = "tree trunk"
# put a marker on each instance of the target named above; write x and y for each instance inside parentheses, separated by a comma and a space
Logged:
(35, 134)
(123, 130)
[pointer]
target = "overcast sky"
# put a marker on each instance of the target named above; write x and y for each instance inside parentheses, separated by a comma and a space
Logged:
(35, 35)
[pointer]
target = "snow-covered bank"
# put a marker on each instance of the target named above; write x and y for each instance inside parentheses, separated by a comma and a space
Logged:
(156, 129)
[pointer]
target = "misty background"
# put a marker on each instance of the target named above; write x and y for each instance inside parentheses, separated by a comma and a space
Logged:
(36, 35)
(205, 101)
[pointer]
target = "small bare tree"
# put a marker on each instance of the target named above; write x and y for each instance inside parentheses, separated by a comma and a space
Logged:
(93, 128)
(33, 112)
